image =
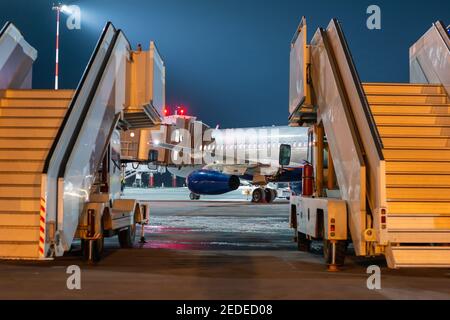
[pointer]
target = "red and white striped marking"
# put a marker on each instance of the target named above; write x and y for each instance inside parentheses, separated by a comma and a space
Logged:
(42, 229)
(58, 12)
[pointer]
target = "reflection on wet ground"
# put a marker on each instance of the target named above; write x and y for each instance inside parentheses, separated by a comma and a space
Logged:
(227, 222)
(214, 249)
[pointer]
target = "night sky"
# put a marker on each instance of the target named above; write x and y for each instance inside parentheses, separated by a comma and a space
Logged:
(227, 61)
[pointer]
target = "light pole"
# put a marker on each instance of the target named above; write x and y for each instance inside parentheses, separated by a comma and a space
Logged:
(58, 8)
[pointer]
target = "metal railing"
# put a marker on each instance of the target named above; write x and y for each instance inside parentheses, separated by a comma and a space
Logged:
(344, 110)
(430, 58)
(74, 156)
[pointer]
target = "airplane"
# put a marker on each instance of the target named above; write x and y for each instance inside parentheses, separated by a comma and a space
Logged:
(260, 155)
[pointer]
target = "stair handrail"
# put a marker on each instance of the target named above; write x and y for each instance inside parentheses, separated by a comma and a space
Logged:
(77, 93)
(49, 181)
(430, 57)
(372, 147)
(5, 27)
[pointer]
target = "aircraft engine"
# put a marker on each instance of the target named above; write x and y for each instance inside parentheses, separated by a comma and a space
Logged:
(208, 182)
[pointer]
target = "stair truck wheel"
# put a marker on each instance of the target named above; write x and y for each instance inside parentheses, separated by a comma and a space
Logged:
(303, 243)
(257, 195)
(340, 252)
(127, 237)
(97, 249)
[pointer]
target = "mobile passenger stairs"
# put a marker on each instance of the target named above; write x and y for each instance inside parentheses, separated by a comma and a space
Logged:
(380, 152)
(60, 161)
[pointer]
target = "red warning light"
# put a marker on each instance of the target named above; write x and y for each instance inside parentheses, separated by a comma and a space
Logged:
(180, 111)
(166, 111)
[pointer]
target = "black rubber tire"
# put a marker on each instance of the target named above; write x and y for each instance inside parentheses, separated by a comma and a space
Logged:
(127, 237)
(257, 195)
(97, 249)
(303, 243)
(274, 194)
(269, 195)
(341, 251)
(194, 196)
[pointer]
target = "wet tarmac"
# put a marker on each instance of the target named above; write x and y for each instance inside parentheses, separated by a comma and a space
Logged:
(217, 248)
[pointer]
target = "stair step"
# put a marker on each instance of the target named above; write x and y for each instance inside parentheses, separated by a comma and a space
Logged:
(419, 257)
(18, 154)
(31, 218)
(20, 205)
(32, 112)
(21, 132)
(415, 99)
(419, 223)
(19, 249)
(26, 143)
(416, 120)
(422, 236)
(37, 93)
(418, 167)
(415, 142)
(401, 88)
(403, 131)
(20, 178)
(19, 233)
(22, 165)
(418, 180)
(410, 110)
(407, 207)
(418, 194)
(29, 121)
(22, 190)
(35, 122)
(35, 103)
(416, 154)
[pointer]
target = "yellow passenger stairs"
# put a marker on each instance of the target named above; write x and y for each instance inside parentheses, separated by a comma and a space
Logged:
(29, 122)
(413, 121)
